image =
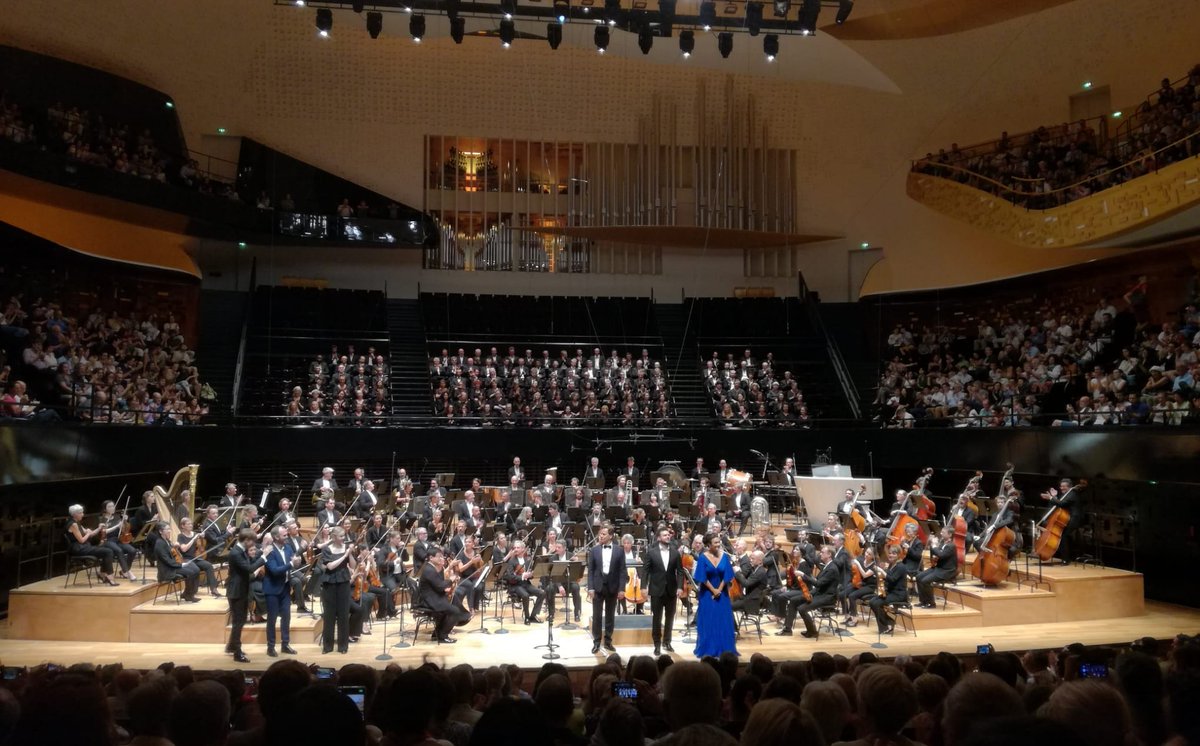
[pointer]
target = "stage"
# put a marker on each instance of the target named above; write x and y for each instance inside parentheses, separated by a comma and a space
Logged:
(51, 622)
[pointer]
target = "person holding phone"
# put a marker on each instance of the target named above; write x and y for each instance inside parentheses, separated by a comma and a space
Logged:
(714, 617)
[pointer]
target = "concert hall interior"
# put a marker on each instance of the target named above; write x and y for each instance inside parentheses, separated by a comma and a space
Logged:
(534, 332)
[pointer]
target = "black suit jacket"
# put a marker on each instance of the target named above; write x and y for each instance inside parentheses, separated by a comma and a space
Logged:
(166, 563)
(753, 584)
(237, 585)
(945, 559)
(317, 484)
(662, 580)
(912, 560)
(432, 590)
(612, 583)
(512, 472)
(826, 583)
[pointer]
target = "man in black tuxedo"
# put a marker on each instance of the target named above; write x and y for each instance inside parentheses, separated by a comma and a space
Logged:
(366, 500)
(358, 483)
(753, 583)
(1067, 498)
(231, 498)
(171, 569)
(606, 583)
(789, 473)
(632, 473)
(328, 516)
(722, 472)
(243, 563)
(433, 596)
(516, 471)
(664, 574)
(823, 588)
(325, 482)
(517, 573)
(593, 470)
(699, 471)
(945, 566)
(463, 508)
(422, 549)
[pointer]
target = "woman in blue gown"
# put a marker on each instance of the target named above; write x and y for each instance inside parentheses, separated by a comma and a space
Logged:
(714, 617)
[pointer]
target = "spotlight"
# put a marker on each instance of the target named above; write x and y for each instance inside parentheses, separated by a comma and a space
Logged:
(844, 8)
(299, 3)
(324, 21)
(725, 43)
(771, 47)
(508, 8)
(508, 32)
(416, 27)
(554, 34)
(708, 14)
(666, 11)
(357, 6)
(601, 38)
(374, 23)
(809, 10)
(645, 39)
(612, 11)
(562, 9)
(458, 28)
(754, 18)
(687, 42)
(782, 8)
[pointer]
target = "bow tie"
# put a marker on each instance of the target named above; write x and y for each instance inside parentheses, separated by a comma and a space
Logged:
(607, 547)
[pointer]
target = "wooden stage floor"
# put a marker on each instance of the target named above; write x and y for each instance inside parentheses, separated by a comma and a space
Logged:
(518, 646)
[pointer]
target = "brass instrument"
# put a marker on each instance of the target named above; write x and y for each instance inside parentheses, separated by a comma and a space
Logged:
(167, 501)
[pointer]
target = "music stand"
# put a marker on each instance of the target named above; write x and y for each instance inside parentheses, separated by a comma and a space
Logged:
(653, 514)
(487, 533)
(576, 515)
(486, 554)
(540, 512)
(616, 513)
(140, 539)
(542, 571)
(687, 511)
(444, 479)
(501, 592)
(534, 535)
(577, 532)
(594, 483)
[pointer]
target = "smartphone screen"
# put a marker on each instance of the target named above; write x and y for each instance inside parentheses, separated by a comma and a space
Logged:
(624, 690)
(1093, 670)
(357, 695)
(324, 673)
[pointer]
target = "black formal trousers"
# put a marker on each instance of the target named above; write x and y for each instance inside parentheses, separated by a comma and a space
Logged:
(604, 612)
(335, 611)
(102, 554)
(804, 609)
(238, 608)
(279, 606)
(123, 553)
(662, 611)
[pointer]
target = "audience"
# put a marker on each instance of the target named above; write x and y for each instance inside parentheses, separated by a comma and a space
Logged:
(344, 388)
(1055, 165)
(511, 389)
(747, 393)
(1147, 702)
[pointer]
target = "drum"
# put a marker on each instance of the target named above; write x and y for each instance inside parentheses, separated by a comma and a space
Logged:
(675, 477)
(734, 481)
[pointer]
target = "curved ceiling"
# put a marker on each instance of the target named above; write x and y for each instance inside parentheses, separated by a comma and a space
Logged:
(924, 18)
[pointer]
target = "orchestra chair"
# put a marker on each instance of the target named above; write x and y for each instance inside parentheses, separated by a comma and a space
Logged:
(947, 587)
(165, 589)
(903, 611)
(422, 615)
(79, 563)
(751, 614)
(827, 616)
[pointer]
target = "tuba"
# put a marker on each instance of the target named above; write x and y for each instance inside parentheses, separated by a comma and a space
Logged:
(760, 512)
(170, 503)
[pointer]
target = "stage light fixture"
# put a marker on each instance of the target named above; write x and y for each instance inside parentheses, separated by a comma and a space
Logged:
(725, 43)
(612, 11)
(809, 11)
(771, 46)
(299, 3)
(374, 24)
(666, 11)
(708, 14)
(324, 22)
(782, 8)
(754, 18)
(416, 28)
(357, 6)
(645, 39)
(600, 36)
(687, 43)
(508, 32)
(554, 34)
(844, 8)
(508, 8)
(562, 9)
(458, 28)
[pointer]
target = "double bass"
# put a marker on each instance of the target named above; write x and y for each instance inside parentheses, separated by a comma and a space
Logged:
(895, 533)
(991, 564)
(1050, 528)
(853, 525)
(958, 522)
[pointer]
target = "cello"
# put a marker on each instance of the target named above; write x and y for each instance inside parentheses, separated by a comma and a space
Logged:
(991, 564)
(1050, 528)
(853, 524)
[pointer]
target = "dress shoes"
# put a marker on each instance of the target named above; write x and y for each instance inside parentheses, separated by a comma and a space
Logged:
(533, 619)
(851, 622)
(302, 610)
(216, 594)
(667, 647)
(809, 635)
(191, 599)
(785, 632)
(609, 646)
(271, 653)
(595, 648)
(240, 657)
(353, 638)
(288, 649)
(258, 619)
(447, 640)
(657, 651)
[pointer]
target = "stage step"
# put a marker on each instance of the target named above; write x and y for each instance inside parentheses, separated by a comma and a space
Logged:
(206, 622)
(1006, 604)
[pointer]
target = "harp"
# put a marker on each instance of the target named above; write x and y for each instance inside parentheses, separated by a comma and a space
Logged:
(170, 502)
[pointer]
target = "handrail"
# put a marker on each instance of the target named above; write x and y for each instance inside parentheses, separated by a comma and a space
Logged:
(1150, 101)
(849, 390)
(926, 166)
(1056, 132)
(235, 399)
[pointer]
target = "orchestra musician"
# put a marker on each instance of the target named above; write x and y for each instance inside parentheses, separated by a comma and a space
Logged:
(741, 505)
(337, 560)
(631, 473)
(664, 583)
(699, 471)
(280, 561)
(517, 573)
(469, 591)
(1010, 517)
(593, 471)
(903, 504)
(284, 515)
(146, 513)
(788, 475)
(633, 559)
(110, 537)
(1065, 497)
(216, 538)
(172, 568)
(895, 589)
(328, 516)
(944, 556)
(422, 548)
(554, 588)
(606, 583)
(187, 544)
(458, 540)
(366, 500)
(358, 483)
(515, 472)
(403, 483)
(911, 549)
(722, 473)
(823, 588)
(251, 520)
(465, 507)
(232, 498)
(863, 568)
(433, 591)
(790, 588)
(435, 494)
(243, 562)
(299, 546)
(324, 482)
(709, 523)
(376, 531)
(753, 584)
(704, 493)
(547, 492)
(391, 559)
(554, 519)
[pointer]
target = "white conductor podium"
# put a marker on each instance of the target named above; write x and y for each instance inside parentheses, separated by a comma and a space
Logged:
(827, 487)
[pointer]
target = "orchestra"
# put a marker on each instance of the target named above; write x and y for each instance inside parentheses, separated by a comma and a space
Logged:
(451, 552)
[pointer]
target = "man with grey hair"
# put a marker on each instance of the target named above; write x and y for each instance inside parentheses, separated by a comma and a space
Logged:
(517, 573)
(691, 694)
